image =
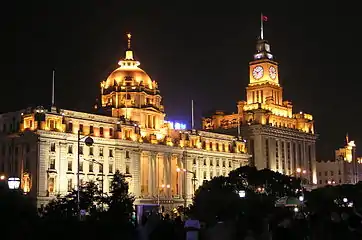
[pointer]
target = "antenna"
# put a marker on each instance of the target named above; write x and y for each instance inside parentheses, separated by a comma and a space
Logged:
(53, 87)
(192, 114)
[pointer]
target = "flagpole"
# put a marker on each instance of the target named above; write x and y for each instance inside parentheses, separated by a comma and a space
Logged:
(261, 27)
(53, 87)
(192, 114)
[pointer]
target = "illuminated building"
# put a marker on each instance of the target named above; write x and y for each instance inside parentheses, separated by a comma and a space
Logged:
(346, 168)
(277, 138)
(131, 135)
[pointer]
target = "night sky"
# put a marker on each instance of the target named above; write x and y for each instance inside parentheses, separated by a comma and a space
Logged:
(193, 51)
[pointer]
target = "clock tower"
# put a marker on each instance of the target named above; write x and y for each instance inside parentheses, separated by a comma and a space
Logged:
(263, 77)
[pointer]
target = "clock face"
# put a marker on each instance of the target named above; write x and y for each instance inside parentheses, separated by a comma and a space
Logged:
(258, 72)
(272, 72)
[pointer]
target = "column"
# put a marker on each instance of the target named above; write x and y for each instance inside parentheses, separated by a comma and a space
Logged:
(42, 180)
(151, 175)
(180, 176)
(169, 172)
(136, 172)
(62, 183)
(189, 184)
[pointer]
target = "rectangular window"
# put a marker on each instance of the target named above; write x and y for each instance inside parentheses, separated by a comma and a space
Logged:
(100, 168)
(51, 185)
(101, 152)
(70, 165)
(204, 175)
(91, 151)
(111, 132)
(70, 127)
(91, 167)
(70, 185)
(70, 149)
(81, 128)
(52, 147)
(127, 154)
(81, 166)
(110, 167)
(127, 169)
(52, 163)
(80, 150)
(91, 130)
(101, 131)
(111, 152)
(51, 124)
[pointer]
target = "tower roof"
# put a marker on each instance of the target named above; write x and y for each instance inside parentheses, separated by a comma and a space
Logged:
(129, 70)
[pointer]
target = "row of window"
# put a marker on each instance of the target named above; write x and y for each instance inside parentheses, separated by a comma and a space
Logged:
(90, 152)
(331, 173)
(211, 163)
(70, 184)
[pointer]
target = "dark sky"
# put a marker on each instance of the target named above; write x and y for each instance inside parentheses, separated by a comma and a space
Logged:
(193, 51)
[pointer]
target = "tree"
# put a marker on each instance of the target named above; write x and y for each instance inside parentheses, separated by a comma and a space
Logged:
(120, 202)
(65, 208)
(215, 200)
(218, 199)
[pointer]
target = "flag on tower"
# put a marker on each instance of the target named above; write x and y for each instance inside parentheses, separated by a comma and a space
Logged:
(265, 18)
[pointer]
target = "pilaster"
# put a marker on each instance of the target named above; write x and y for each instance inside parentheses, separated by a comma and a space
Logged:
(136, 172)
(43, 155)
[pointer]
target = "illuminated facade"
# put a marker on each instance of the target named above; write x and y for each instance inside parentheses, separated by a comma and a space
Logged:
(40, 145)
(346, 168)
(277, 138)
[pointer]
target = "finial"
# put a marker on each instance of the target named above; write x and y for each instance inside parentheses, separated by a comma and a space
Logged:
(129, 40)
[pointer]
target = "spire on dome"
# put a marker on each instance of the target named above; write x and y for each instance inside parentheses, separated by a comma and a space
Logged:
(129, 52)
(129, 61)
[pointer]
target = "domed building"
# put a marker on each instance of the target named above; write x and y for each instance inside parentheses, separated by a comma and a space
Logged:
(164, 166)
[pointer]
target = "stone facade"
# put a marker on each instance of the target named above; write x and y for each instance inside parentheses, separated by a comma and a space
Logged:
(163, 165)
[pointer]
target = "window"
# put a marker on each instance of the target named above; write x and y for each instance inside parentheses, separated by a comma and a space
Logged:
(111, 132)
(70, 127)
(211, 162)
(194, 161)
(81, 150)
(100, 168)
(217, 163)
(70, 185)
(204, 175)
(52, 163)
(91, 151)
(211, 175)
(319, 174)
(127, 169)
(51, 124)
(81, 166)
(111, 152)
(91, 167)
(110, 167)
(223, 164)
(52, 147)
(91, 130)
(81, 128)
(101, 152)
(101, 131)
(51, 185)
(332, 173)
(127, 154)
(70, 165)
(229, 164)
(70, 149)
(325, 173)
(204, 162)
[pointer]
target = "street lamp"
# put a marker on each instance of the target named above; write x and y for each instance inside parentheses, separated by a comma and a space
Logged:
(242, 194)
(163, 186)
(89, 142)
(2, 177)
(14, 183)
